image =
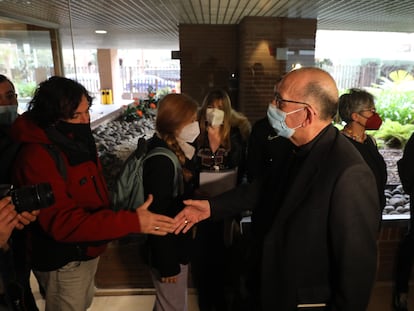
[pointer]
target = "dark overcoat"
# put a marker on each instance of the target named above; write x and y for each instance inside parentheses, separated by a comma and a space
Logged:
(321, 245)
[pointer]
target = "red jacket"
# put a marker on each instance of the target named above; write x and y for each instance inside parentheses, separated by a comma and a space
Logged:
(81, 211)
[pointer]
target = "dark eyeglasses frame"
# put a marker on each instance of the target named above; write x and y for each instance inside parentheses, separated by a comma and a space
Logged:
(279, 99)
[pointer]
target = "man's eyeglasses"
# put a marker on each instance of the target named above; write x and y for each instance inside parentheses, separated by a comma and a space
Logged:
(373, 110)
(279, 101)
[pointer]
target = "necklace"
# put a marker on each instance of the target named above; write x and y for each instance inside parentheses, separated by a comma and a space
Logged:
(359, 138)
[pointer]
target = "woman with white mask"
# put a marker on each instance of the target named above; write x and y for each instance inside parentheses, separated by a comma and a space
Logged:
(176, 128)
(221, 151)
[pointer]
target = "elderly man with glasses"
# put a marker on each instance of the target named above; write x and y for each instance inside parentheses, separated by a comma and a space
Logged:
(319, 247)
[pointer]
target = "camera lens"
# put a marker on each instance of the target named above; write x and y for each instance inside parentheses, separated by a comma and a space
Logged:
(33, 197)
(5, 190)
(45, 195)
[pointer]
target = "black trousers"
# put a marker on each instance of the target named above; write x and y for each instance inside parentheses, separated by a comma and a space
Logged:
(405, 255)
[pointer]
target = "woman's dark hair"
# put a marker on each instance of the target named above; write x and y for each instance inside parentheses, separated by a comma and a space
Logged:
(3, 79)
(55, 99)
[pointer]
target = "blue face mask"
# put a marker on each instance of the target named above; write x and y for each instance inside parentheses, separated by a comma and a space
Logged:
(8, 114)
(277, 119)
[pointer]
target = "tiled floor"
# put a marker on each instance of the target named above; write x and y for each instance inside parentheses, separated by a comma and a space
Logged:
(116, 300)
(119, 300)
(126, 303)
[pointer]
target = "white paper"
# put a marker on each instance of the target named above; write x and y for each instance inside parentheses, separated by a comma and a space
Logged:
(217, 182)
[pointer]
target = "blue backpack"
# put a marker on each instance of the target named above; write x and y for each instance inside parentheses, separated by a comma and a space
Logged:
(128, 189)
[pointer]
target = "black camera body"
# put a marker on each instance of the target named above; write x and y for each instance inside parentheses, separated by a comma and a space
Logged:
(29, 198)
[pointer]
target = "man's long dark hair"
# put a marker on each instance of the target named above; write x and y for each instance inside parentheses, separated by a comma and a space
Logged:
(55, 99)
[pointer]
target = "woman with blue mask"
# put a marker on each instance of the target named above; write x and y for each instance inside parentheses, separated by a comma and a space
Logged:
(8, 150)
(8, 102)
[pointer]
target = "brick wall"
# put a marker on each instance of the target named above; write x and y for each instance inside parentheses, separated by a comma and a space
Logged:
(210, 54)
(261, 38)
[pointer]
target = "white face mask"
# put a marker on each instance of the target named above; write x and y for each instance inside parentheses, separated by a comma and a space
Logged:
(214, 117)
(8, 114)
(189, 132)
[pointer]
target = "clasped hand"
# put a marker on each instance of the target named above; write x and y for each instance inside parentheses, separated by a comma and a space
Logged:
(194, 212)
(10, 219)
(157, 224)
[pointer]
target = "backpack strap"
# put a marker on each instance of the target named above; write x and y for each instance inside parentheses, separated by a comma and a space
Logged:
(57, 157)
(141, 148)
(178, 174)
(8, 154)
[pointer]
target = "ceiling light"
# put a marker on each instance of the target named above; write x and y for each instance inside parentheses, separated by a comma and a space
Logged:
(101, 31)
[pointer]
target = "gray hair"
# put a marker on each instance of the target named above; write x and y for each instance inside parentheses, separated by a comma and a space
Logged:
(355, 100)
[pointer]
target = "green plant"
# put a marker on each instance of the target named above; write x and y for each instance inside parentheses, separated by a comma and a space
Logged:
(394, 97)
(141, 108)
(25, 89)
(393, 134)
(395, 105)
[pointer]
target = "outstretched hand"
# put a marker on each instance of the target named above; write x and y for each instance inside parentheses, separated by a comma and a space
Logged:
(194, 212)
(152, 223)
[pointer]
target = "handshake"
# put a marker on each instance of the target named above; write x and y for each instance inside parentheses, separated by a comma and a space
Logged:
(157, 224)
(194, 212)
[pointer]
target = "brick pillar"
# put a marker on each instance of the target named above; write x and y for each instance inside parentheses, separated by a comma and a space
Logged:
(270, 48)
(257, 51)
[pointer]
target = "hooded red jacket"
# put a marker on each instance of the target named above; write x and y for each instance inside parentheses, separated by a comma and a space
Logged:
(81, 211)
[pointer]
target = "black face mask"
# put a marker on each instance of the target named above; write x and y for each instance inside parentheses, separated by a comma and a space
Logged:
(75, 140)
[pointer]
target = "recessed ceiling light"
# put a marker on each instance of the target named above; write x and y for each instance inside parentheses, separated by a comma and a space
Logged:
(101, 31)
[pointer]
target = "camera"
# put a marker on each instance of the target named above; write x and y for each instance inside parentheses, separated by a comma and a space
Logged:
(29, 198)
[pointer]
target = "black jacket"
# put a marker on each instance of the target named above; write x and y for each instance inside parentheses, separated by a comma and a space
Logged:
(369, 151)
(265, 149)
(166, 253)
(321, 244)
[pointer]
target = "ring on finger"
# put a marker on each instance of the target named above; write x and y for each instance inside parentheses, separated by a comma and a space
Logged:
(156, 228)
